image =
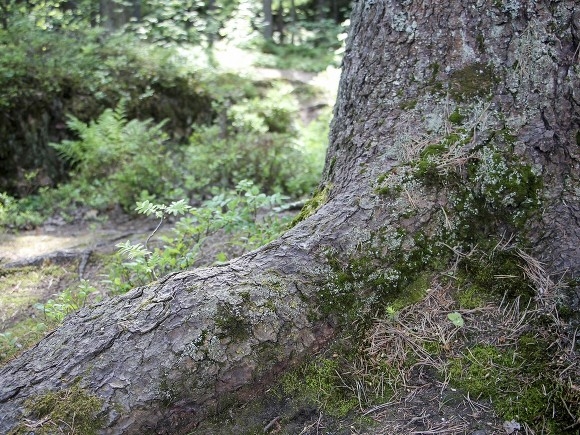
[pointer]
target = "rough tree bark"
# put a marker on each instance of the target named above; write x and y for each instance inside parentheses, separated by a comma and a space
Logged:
(163, 357)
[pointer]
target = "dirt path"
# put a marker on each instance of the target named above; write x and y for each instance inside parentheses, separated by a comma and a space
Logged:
(28, 247)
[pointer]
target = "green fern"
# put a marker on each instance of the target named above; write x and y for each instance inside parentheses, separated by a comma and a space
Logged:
(116, 159)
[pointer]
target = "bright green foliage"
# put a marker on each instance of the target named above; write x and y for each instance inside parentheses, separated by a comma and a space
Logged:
(313, 46)
(248, 216)
(257, 138)
(115, 159)
(14, 213)
(167, 21)
(49, 14)
(33, 59)
(72, 299)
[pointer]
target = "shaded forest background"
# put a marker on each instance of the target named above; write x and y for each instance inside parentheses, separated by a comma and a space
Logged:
(211, 117)
(76, 59)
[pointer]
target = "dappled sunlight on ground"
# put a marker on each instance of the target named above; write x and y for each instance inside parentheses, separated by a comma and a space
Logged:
(35, 243)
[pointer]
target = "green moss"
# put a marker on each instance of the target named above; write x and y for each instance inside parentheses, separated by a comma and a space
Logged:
(431, 166)
(383, 177)
(358, 287)
(318, 382)
(517, 381)
(471, 296)
(434, 67)
(505, 186)
(433, 348)
(412, 293)
(331, 165)
(61, 410)
(474, 80)
(480, 42)
(312, 205)
(389, 190)
(497, 274)
(379, 276)
(456, 117)
(408, 105)
(231, 322)
(578, 138)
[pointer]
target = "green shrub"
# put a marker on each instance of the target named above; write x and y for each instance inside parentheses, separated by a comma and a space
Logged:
(70, 300)
(258, 139)
(115, 160)
(15, 214)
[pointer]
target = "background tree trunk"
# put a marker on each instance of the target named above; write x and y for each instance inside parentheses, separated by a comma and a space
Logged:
(115, 15)
(163, 357)
(268, 22)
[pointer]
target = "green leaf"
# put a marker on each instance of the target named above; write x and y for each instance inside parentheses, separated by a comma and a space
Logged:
(456, 319)
(178, 207)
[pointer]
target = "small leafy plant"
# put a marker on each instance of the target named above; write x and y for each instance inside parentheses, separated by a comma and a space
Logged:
(70, 300)
(248, 217)
(116, 160)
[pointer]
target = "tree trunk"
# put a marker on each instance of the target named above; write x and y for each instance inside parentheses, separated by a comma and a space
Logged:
(115, 15)
(293, 21)
(268, 23)
(499, 80)
(279, 23)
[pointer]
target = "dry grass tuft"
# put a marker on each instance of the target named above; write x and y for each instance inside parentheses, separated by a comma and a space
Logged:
(408, 353)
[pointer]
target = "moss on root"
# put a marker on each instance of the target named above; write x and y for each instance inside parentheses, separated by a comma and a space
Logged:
(312, 205)
(319, 383)
(71, 410)
(489, 192)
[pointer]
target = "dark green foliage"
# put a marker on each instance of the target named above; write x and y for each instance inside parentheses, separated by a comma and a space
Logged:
(46, 75)
(116, 160)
